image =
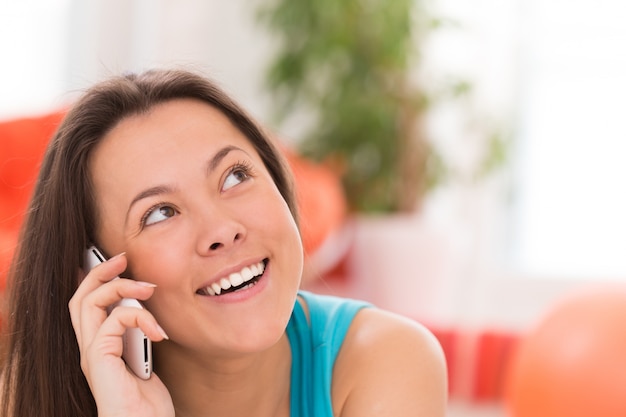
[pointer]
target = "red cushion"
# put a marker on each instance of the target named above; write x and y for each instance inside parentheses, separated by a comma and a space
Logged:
(22, 144)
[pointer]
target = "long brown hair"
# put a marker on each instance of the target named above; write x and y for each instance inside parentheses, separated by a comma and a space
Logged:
(41, 366)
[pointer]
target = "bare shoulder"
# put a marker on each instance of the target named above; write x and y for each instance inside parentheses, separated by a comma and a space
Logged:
(389, 365)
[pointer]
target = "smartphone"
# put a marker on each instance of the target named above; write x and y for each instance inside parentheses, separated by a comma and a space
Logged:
(137, 351)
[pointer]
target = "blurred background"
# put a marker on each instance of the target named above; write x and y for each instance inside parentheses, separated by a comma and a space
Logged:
(458, 162)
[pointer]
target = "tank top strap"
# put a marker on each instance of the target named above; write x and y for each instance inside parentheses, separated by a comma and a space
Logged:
(316, 340)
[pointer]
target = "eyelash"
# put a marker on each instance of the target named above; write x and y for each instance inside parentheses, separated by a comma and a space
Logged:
(144, 218)
(244, 166)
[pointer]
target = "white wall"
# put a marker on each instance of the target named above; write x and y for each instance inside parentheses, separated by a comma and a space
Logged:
(215, 36)
(33, 47)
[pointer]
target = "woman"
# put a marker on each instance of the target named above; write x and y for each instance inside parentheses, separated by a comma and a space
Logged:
(166, 174)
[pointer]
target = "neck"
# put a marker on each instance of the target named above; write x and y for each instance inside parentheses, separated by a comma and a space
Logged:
(252, 384)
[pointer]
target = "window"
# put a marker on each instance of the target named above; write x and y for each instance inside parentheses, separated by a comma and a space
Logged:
(571, 217)
(33, 41)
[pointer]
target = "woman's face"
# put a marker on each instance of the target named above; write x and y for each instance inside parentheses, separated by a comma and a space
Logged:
(187, 197)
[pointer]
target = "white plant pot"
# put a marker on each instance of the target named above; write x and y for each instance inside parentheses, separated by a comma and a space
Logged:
(403, 264)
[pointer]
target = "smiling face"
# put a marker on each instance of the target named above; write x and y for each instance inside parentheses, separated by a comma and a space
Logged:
(186, 196)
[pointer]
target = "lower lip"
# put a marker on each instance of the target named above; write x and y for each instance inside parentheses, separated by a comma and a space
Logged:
(243, 294)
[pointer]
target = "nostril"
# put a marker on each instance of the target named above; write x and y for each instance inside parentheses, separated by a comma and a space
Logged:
(221, 244)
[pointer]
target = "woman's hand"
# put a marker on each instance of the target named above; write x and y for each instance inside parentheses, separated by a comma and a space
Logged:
(117, 391)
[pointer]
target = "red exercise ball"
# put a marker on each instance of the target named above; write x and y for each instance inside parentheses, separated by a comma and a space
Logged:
(573, 363)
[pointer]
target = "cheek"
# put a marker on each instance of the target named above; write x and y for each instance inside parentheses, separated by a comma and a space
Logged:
(279, 223)
(164, 270)
(274, 216)
(161, 261)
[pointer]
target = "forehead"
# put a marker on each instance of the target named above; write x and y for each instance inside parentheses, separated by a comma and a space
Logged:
(172, 140)
(179, 116)
(169, 128)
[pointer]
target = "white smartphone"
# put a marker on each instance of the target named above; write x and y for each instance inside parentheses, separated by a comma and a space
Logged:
(137, 351)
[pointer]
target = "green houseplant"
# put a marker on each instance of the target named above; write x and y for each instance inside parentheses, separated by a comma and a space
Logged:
(355, 67)
(349, 64)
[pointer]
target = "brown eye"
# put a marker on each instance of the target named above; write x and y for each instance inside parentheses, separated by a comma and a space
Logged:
(237, 175)
(158, 214)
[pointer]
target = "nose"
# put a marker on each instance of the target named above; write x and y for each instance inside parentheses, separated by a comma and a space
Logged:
(218, 245)
(217, 235)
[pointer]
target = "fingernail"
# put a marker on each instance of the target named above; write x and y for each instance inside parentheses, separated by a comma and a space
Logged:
(145, 284)
(160, 329)
(119, 255)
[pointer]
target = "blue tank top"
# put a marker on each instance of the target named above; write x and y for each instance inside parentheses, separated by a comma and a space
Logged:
(315, 343)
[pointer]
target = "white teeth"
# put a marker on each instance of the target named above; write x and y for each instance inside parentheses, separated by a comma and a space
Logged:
(225, 283)
(246, 275)
(236, 279)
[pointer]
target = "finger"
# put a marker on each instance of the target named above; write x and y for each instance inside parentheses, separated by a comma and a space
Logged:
(101, 274)
(93, 309)
(96, 277)
(124, 317)
(107, 345)
(111, 292)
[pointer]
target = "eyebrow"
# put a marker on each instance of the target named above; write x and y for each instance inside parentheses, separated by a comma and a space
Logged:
(221, 154)
(150, 192)
(211, 165)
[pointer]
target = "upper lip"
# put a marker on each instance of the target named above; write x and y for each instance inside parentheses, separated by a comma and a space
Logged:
(228, 271)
